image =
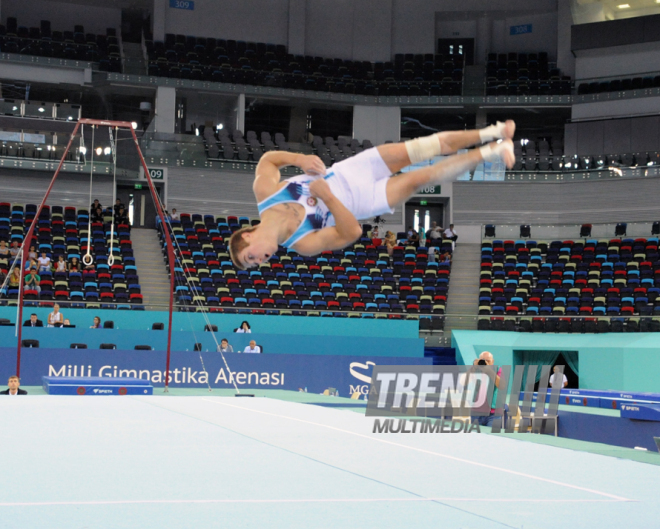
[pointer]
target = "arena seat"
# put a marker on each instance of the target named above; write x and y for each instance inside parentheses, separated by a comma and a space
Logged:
(362, 277)
(75, 46)
(590, 278)
(64, 232)
(218, 60)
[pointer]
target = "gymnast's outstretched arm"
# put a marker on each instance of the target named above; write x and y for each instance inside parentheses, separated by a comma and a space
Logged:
(267, 175)
(345, 231)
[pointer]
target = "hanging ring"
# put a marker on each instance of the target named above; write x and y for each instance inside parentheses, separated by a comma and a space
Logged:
(87, 259)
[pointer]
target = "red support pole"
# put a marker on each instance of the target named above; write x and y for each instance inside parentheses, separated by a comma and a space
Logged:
(170, 248)
(170, 254)
(26, 241)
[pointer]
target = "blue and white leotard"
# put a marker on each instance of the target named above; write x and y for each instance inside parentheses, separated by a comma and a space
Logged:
(317, 214)
(359, 183)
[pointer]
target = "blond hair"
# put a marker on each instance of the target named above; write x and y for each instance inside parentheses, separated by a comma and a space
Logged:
(237, 244)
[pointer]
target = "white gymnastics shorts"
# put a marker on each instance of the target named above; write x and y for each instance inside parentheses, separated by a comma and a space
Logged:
(360, 183)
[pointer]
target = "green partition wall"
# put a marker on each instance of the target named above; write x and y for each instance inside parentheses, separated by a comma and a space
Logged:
(622, 362)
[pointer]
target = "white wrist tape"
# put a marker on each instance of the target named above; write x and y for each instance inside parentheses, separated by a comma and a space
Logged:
(422, 149)
(494, 132)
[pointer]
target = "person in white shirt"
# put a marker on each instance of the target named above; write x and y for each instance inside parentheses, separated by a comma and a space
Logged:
(244, 328)
(450, 233)
(44, 262)
(175, 215)
(435, 232)
(552, 378)
(55, 318)
(14, 389)
(252, 348)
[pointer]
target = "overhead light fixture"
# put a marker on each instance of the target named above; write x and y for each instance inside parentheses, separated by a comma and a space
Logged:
(220, 126)
(107, 150)
(42, 109)
(99, 151)
(623, 6)
(83, 150)
(134, 125)
(14, 108)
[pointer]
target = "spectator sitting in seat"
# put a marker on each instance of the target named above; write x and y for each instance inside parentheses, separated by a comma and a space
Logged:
(15, 279)
(55, 318)
(97, 323)
(375, 237)
(413, 237)
(121, 217)
(44, 263)
(67, 323)
(555, 376)
(244, 328)
(14, 388)
(118, 206)
(95, 205)
(450, 233)
(32, 281)
(445, 258)
(14, 250)
(4, 251)
(174, 215)
(390, 242)
(32, 254)
(33, 322)
(32, 263)
(60, 265)
(224, 346)
(74, 265)
(422, 236)
(435, 232)
(97, 215)
(252, 348)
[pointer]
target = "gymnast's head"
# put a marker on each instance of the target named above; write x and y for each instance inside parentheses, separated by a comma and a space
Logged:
(251, 246)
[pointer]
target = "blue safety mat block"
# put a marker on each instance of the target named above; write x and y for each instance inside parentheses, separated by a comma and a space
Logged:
(96, 386)
(641, 412)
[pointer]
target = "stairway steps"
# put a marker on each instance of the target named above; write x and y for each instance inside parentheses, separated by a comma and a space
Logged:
(154, 277)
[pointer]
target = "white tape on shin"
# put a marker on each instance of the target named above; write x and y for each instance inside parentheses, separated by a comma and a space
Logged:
(493, 153)
(422, 149)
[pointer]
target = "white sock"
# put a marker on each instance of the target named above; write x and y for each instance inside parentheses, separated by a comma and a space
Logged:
(494, 153)
(422, 149)
(492, 133)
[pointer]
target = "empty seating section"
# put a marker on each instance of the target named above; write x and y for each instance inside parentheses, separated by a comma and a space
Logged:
(240, 62)
(541, 155)
(224, 145)
(586, 285)
(73, 45)
(38, 151)
(544, 155)
(522, 74)
(360, 281)
(63, 231)
(618, 85)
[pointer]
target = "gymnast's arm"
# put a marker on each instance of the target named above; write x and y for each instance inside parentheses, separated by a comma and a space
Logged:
(344, 232)
(267, 175)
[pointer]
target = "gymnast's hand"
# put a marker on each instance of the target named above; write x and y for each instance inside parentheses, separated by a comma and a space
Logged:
(320, 189)
(312, 165)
